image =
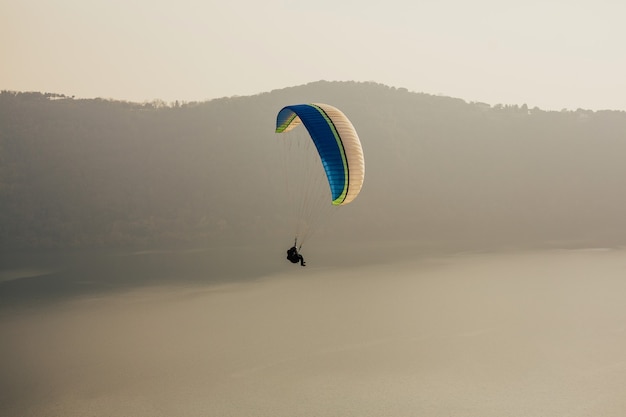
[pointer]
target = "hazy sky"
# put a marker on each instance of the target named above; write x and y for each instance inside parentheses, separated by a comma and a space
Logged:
(551, 54)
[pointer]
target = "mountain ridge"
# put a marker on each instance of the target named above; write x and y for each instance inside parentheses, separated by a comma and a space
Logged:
(80, 173)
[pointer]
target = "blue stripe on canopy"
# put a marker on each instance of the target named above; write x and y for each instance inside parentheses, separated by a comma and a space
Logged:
(326, 140)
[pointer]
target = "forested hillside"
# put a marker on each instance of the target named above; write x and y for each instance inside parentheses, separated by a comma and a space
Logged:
(103, 173)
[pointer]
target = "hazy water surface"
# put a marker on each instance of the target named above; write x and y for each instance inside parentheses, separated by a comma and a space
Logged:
(521, 334)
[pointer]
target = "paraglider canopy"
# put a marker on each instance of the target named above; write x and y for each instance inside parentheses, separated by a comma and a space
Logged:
(336, 142)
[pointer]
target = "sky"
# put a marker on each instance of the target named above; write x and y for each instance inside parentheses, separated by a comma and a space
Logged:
(552, 54)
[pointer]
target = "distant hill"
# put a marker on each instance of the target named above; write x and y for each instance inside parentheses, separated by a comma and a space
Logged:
(102, 173)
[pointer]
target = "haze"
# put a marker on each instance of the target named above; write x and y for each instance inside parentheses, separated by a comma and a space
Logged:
(552, 55)
(479, 274)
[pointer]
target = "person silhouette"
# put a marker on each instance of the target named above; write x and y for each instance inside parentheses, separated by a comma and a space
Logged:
(294, 256)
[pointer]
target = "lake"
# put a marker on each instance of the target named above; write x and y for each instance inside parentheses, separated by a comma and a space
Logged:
(366, 331)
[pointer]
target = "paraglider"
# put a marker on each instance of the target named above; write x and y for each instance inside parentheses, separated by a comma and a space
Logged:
(337, 147)
(294, 256)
